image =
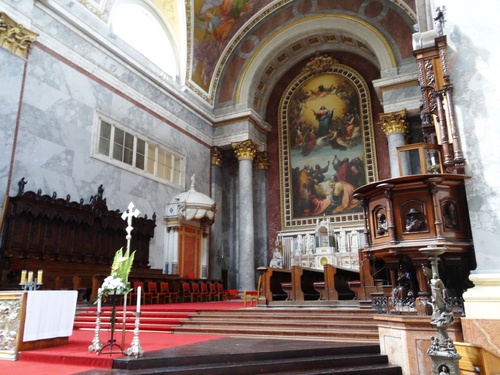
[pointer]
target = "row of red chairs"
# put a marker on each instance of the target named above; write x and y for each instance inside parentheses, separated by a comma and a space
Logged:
(203, 292)
(189, 292)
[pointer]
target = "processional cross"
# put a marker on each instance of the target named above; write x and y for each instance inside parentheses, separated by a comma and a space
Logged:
(128, 215)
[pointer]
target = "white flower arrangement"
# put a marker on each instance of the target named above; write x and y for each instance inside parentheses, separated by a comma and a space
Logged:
(117, 282)
(112, 284)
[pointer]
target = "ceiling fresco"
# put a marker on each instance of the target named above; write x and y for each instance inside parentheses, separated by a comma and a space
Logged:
(219, 39)
(225, 36)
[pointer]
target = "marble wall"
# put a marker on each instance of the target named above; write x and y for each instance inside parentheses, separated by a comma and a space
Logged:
(70, 80)
(473, 59)
(11, 73)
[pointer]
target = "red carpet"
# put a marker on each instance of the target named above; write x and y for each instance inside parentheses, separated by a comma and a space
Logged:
(74, 357)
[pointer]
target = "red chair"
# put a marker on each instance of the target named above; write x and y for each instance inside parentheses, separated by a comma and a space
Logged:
(203, 292)
(196, 292)
(212, 292)
(222, 293)
(164, 288)
(145, 296)
(155, 294)
(186, 292)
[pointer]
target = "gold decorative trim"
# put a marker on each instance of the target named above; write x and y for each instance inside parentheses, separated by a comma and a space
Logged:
(216, 156)
(394, 122)
(15, 37)
(261, 160)
(244, 150)
(319, 64)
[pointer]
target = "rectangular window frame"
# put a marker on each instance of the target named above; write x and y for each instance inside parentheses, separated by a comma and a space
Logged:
(106, 153)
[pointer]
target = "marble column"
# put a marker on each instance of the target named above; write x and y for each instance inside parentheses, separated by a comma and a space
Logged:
(395, 126)
(261, 163)
(170, 253)
(245, 152)
(205, 230)
(216, 238)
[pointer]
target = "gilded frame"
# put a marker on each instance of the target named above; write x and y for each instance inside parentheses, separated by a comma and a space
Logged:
(325, 88)
(13, 307)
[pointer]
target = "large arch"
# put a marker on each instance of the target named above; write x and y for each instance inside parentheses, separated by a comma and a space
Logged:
(385, 57)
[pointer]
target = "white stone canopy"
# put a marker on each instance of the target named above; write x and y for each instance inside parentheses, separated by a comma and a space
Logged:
(191, 205)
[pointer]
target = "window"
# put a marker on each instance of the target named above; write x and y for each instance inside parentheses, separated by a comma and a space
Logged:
(148, 35)
(119, 145)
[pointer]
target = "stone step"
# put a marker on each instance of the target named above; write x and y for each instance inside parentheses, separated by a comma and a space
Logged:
(263, 356)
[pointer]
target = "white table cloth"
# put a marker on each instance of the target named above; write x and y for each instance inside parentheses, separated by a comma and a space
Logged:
(49, 314)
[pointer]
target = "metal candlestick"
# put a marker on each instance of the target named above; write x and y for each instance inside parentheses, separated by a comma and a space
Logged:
(30, 285)
(96, 341)
(135, 347)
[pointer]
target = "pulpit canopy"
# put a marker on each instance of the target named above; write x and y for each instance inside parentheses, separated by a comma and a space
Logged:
(191, 205)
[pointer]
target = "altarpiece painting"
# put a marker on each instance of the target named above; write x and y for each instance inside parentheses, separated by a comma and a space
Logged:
(327, 148)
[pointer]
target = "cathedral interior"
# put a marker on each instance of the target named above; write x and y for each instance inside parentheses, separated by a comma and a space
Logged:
(356, 134)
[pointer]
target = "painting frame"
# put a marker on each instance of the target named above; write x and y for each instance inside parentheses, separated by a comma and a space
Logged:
(325, 125)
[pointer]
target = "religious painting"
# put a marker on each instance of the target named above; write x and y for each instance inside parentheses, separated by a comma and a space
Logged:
(325, 127)
(215, 23)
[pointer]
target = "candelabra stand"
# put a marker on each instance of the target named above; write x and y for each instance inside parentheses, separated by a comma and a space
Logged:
(112, 342)
(96, 341)
(135, 346)
(443, 353)
(30, 285)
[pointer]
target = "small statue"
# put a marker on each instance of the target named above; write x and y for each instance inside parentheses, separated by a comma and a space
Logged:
(100, 191)
(413, 223)
(277, 261)
(444, 370)
(22, 182)
(439, 20)
(381, 224)
(403, 290)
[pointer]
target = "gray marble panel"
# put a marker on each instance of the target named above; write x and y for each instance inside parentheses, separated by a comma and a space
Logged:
(11, 72)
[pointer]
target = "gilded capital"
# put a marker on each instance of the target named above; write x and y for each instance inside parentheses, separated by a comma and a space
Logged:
(394, 122)
(261, 160)
(14, 37)
(216, 156)
(244, 150)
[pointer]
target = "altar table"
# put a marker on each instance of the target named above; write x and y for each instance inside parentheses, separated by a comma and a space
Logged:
(49, 314)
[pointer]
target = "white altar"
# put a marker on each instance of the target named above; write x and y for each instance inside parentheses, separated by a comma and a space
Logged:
(49, 314)
(35, 319)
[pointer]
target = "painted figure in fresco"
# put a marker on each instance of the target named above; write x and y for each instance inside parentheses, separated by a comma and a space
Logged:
(219, 16)
(319, 173)
(324, 117)
(342, 198)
